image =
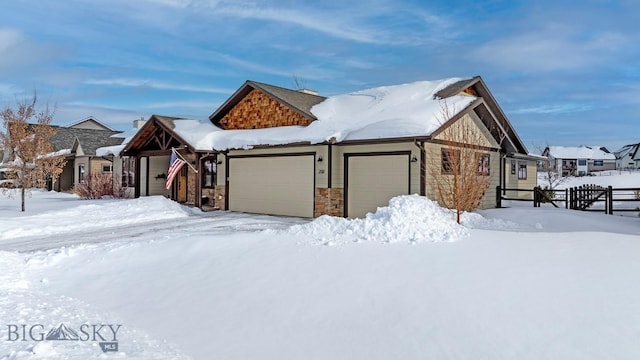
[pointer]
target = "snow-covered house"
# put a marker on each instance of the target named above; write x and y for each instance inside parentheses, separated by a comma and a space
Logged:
(79, 145)
(579, 160)
(278, 151)
(628, 157)
(123, 167)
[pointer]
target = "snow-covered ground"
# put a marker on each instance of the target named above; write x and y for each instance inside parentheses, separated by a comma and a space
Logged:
(404, 283)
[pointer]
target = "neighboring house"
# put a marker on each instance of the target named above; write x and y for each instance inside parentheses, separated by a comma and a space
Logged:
(628, 157)
(79, 145)
(90, 123)
(580, 160)
(123, 167)
(278, 151)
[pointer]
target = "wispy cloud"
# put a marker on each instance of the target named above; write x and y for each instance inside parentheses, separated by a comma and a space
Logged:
(208, 105)
(552, 48)
(361, 24)
(553, 109)
(158, 85)
(9, 38)
(335, 26)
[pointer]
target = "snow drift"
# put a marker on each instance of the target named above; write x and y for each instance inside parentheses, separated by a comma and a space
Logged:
(408, 218)
(97, 215)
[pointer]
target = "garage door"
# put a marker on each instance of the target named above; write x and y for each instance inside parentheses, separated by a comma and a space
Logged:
(277, 185)
(373, 180)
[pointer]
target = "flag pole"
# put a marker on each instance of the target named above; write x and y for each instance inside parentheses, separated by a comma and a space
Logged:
(183, 159)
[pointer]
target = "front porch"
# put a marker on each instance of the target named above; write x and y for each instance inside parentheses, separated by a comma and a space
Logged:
(146, 157)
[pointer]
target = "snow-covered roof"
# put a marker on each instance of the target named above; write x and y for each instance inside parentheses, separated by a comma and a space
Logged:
(384, 112)
(580, 152)
(116, 149)
(631, 150)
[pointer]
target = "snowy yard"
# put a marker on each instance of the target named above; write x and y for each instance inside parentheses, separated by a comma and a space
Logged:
(406, 283)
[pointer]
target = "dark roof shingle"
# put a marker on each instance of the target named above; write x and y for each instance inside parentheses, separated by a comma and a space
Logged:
(89, 139)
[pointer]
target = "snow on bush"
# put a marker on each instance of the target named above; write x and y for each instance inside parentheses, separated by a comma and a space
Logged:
(409, 218)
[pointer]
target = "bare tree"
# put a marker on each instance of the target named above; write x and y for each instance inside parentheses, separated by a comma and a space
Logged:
(299, 83)
(27, 135)
(550, 173)
(460, 173)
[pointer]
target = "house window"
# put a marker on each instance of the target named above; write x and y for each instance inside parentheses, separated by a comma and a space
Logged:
(483, 164)
(513, 167)
(450, 159)
(81, 173)
(128, 171)
(598, 162)
(107, 168)
(209, 174)
(582, 162)
(522, 170)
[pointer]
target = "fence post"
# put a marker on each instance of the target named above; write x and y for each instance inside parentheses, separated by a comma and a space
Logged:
(610, 199)
(566, 198)
(498, 197)
(535, 196)
(571, 198)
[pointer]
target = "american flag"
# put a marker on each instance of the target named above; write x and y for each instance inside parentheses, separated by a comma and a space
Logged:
(175, 166)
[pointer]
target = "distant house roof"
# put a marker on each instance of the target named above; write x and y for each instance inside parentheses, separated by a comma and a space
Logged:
(579, 152)
(298, 101)
(89, 139)
(633, 150)
(90, 123)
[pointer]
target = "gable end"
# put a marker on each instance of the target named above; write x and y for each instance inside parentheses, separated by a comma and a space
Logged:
(258, 110)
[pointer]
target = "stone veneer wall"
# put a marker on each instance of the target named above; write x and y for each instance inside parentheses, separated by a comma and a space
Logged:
(219, 196)
(329, 202)
(210, 193)
(191, 180)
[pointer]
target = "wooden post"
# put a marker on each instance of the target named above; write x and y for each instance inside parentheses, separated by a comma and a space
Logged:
(609, 199)
(498, 197)
(137, 177)
(566, 198)
(571, 198)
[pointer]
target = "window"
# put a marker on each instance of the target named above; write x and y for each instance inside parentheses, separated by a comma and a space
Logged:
(513, 167)
(128, 171)
(483, 164)
(522, 170)
(598, 162)
(450, 158)
(81, 173)
(582, 162)
(107, 168)
(209, 174)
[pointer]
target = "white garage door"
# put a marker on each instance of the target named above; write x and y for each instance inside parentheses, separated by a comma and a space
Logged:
(373, 180)
(277, 185)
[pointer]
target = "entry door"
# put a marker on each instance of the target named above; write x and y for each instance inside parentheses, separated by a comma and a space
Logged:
(182, 185)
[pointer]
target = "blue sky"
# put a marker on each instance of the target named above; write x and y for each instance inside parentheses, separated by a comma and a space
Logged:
(564, 74)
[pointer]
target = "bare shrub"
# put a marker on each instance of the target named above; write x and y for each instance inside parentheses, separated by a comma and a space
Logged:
(100, 186)
(460, 172)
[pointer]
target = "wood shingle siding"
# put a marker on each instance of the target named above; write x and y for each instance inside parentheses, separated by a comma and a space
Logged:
(258, 110)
